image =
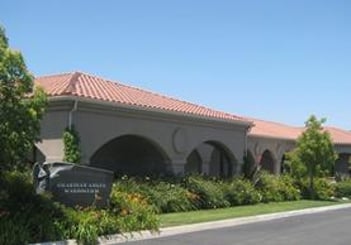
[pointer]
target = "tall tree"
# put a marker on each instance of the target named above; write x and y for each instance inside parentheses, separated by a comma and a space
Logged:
(315, 150)
(21, 107)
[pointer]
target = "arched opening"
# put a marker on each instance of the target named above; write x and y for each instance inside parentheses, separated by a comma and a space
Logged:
(194, 163)
(131, 155)
(217, 160)
(343, 164)
(267, 162)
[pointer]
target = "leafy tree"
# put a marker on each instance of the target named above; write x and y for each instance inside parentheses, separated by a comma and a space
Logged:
(314, 155)
(21, 107)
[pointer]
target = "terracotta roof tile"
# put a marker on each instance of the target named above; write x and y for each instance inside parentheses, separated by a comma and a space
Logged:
(88, 86)
(274, 130)
(282, 131)
(340, 136)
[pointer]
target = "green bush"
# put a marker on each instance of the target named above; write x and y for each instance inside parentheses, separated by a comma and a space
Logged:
(288, 189)
(85, 225)
(241, 192)
(133, 211)
(323, 189)
(164, 196)
(343, 189)
(209, 192)
(277, 188)
(24, 216)
(168, 197)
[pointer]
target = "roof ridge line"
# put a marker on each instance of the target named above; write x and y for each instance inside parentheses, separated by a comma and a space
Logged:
(55, 74)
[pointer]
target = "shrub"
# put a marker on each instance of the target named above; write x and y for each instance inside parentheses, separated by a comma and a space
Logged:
(323, 189)
(168, 197)
(209, 192)
(288, 189)
(241, 192)
(24, 216)
(130, 185)
(164, 196)
(133, 210)
(343, 189)
(277, 188)
(85, 225)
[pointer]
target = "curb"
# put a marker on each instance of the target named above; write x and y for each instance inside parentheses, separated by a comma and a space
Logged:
(176, 230)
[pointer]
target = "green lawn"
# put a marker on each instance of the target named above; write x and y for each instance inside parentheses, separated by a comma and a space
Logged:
(174, 219)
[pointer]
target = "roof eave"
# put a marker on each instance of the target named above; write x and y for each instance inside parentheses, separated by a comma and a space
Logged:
(244, 123)
(272, 137)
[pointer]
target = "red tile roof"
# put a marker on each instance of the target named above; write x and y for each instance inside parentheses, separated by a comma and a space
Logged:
(282, 131)
(340, 136)
(274, 130)
(84, 85)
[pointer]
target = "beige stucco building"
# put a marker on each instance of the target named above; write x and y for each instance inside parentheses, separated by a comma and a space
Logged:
(133, 131)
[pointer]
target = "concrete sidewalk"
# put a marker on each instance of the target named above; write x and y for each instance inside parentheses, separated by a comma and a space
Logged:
(175, 230)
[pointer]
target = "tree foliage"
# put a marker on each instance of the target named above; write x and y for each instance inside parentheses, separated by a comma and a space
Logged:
(314, 155)
(21, 107)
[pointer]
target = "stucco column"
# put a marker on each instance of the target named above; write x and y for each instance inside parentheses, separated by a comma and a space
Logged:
(205, 167)
(177, 166)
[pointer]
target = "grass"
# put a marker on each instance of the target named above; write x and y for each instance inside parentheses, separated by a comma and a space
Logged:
(183, 218)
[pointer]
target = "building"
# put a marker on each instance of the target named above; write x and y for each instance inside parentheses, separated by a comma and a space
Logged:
(133, 131)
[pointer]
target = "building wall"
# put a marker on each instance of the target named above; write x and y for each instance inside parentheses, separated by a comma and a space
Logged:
(277, 147)
(176, 136)
(52, 127)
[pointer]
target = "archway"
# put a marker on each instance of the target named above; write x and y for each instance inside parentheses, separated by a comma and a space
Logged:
(267, 162)
(131, 155)
(194, 163)
(217, 160)
(342, 164)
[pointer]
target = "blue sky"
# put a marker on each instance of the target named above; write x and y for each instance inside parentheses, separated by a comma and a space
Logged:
(274, 60)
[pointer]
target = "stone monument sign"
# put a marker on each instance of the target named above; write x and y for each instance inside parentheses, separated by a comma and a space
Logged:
(73, 184)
